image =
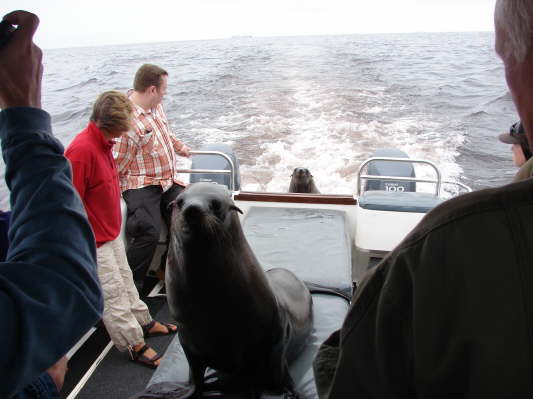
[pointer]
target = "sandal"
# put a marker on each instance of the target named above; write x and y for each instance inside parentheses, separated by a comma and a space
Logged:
(139, 357)
(170, 330)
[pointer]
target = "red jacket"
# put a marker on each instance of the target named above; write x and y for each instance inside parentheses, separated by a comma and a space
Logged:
(95, 176)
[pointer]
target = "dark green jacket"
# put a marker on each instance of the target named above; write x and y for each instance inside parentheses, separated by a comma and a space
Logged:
(449, 313)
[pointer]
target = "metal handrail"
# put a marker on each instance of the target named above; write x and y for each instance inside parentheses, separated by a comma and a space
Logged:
(214, 171)
(438, 182)
(360, 177)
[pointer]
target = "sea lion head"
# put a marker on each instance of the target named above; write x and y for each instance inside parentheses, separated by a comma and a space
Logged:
(302, 181)
(303, 175)
(205, 209)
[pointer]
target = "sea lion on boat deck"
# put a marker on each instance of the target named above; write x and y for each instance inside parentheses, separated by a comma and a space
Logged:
(234, 317)
(302, 182)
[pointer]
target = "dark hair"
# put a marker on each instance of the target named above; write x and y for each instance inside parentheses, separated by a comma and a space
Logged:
(112, 112)
(148, 75)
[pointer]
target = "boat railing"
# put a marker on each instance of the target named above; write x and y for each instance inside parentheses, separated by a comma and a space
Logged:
(360, 176)
(231, 172)
(438, 181)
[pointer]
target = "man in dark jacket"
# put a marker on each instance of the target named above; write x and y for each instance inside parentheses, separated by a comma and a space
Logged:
(449, 312)
(49, 290)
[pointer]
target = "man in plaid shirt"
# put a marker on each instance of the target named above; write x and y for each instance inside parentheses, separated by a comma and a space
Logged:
(146, 163)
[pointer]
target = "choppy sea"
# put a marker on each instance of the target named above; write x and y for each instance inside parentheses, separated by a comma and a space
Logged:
(322, 102)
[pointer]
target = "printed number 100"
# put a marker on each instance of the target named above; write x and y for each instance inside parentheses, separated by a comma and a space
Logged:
(395, 188)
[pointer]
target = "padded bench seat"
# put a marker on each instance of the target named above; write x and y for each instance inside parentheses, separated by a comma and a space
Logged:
(398, 201)
(312, 243)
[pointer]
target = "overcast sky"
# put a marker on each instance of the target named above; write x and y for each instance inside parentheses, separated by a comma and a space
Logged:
(72, 23)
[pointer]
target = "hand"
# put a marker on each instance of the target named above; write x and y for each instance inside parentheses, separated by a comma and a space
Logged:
(184, 151)
(21, 69)
(58, 371)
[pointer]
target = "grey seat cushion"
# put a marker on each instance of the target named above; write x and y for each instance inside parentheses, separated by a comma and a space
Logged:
(312, 243)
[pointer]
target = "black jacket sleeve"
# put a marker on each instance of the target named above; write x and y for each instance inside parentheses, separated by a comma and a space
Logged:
(49, 290)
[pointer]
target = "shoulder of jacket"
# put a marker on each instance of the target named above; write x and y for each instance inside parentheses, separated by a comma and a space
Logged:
(478, 203)
(81, 148)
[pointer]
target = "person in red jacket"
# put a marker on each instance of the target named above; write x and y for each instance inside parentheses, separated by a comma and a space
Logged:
(126, 317)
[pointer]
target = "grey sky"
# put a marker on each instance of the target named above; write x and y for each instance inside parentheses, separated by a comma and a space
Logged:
(98, 22)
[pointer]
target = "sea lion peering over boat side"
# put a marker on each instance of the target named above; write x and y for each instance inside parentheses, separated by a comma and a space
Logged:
(302, 182)
(233, 316)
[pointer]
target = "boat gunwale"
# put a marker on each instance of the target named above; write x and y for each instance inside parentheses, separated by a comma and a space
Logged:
(334, 199)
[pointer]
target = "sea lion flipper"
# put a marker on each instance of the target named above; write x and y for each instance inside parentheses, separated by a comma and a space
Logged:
(196, 373)
(290, 391)
(166, 390)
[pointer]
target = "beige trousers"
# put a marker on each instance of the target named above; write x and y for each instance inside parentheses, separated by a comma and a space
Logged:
(124, 312)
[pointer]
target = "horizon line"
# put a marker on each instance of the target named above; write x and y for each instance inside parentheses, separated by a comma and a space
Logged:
(247, 36)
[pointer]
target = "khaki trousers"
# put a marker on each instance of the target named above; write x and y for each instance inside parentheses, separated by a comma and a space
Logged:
(124, 312)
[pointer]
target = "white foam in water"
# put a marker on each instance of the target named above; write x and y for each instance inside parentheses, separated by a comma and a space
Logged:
(310, 144)
(373, 110)
(332, 147)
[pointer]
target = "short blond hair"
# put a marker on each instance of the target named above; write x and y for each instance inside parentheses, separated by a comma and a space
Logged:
(112, 112)
(515, 19)
(148, 75)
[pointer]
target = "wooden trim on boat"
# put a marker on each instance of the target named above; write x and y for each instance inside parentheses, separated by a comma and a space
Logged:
(333, 199)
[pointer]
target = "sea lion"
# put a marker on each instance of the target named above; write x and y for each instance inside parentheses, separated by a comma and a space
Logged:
(302, 182)
(233, 316)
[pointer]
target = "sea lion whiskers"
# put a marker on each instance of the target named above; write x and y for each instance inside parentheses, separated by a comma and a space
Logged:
(211, 225)
(216, 230)
(200, 219)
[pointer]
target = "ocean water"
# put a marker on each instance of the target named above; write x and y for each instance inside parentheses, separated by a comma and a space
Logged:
(321, 102)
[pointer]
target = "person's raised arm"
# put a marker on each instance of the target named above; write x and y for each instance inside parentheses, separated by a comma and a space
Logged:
(49, 290)
(21, 67)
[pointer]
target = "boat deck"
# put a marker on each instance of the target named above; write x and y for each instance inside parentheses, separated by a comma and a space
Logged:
(107, 373)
